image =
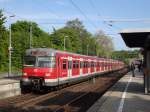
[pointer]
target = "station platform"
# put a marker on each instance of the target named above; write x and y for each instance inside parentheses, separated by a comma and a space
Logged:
(9, 87)
(127, 95)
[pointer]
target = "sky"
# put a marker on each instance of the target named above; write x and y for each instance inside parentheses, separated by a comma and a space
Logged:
(95, 14)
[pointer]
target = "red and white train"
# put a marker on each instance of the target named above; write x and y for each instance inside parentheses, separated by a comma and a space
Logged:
(45, 67)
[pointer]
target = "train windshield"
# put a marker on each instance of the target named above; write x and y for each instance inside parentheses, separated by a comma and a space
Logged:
(49, 62)
(29, 61)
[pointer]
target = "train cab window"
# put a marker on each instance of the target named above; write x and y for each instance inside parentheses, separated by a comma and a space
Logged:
(46, 61)
(64, 64)
(29, 61)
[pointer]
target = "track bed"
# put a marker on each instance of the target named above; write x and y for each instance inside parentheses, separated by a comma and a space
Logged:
(75, 98)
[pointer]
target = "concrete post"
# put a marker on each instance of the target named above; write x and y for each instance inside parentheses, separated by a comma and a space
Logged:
(145, 72)
(148, 69)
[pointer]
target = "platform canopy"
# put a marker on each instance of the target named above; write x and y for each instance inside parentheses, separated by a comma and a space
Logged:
(136, 37)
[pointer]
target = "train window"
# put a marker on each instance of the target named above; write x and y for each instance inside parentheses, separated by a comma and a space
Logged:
(102, 64)
(76, 64)
(46, 61)
(89, 64)
(29, 61)
(97, 64)
(84, 64)
(58, 60)
(64, 64)
(92, 64)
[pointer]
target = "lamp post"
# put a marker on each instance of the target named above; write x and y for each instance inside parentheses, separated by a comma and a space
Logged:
(10, 48)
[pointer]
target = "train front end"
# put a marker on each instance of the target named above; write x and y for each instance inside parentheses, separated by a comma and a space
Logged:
(39, 65)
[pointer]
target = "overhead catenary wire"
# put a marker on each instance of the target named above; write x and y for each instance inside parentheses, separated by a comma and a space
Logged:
(32, 20)
(126, 20)
(108, 23)
(82, 13)
(52, 23)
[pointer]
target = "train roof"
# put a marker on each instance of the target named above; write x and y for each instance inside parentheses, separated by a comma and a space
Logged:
(51, 52)
(48, 52)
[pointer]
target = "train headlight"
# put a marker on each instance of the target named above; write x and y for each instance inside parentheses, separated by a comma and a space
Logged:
(47, 74)
(25, 74)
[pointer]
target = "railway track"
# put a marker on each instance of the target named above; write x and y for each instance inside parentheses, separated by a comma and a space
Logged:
(75, 104)
(17, 99)
(31, 102)
(75, 98)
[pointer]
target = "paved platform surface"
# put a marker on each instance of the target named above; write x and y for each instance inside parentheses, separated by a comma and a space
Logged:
(9, 87)
(5, 81)
(13, 75)
(127, 95)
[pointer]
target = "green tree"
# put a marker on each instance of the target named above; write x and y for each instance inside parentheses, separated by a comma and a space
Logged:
(105, 43)
(83, 35)
(125, 56)
(71, 36)
(3, 43)
(20, 40)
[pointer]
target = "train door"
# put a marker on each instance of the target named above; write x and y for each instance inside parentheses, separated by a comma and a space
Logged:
(103, 65)
(89, 66)
(63, 69)
(58, 69)
(92, 67)
(81, 67)
(95, 65)
(69, 67)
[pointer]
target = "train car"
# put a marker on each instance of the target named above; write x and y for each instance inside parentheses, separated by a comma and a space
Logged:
(45, 67)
